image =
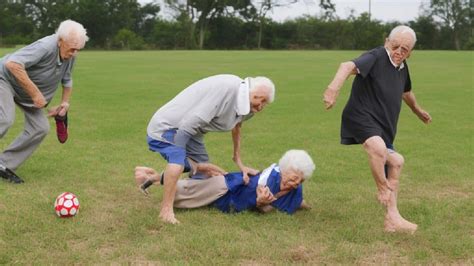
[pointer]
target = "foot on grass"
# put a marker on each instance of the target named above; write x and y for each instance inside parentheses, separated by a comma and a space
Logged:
(397, 223)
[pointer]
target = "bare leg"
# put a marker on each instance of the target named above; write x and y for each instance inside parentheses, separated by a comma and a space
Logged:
(377, 152)
(172, 173)
(393, 220)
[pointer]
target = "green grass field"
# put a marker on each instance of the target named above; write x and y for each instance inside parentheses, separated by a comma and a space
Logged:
(115, 95)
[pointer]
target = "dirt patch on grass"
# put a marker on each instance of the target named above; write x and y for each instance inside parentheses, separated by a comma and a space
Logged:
(442, 193)
(253, 263)
(452, 192)
(383, 254)
(303, 254)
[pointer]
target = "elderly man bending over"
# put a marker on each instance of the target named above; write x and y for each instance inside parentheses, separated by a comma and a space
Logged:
(214, 104)
(29, 78)
(279, 186)
(371, 115)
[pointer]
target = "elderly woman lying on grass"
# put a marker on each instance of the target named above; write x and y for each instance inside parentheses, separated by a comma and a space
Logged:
(279, 186)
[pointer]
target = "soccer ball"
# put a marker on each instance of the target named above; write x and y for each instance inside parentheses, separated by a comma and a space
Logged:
(66, 205)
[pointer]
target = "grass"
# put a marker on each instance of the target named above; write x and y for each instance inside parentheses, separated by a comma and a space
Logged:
(115, 95)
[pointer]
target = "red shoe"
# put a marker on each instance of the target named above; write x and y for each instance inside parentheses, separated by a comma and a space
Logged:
(61, 128)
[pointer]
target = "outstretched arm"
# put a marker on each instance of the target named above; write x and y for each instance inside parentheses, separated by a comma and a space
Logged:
(236, 156)
(332, 91)
(410, 100)
(208, 169)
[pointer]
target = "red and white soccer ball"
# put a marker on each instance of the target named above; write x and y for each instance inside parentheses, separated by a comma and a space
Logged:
(66, 205)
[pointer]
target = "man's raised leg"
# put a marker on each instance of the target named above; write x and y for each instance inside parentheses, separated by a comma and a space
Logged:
(171, 174)
(377, 152)
(393, 220)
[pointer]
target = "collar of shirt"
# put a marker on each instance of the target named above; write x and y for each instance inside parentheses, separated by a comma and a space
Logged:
(59, 62)
(243, 99)
(263, 178)
(402, 65)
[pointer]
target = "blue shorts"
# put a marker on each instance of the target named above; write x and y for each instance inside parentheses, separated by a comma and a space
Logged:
(195, 150)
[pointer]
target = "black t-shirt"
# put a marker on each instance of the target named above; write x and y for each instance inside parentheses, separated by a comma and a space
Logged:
(375, 102)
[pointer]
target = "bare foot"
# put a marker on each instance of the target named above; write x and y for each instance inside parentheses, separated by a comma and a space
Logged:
(168, 217)
(141, 175)
(397, 223)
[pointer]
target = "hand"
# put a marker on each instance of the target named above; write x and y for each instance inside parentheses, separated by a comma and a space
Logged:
(424, 116)
(264, 196)
(210, 169)
(60, 110)
(246, 171)
(39, 101)
(329, 97)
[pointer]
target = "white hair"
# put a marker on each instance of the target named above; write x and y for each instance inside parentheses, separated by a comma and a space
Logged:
(258, 82)
(403, 29)
(297, 160)
(71, 29)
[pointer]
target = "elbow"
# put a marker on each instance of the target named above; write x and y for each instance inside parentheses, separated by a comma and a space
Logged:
(14, 67)
(348, 67)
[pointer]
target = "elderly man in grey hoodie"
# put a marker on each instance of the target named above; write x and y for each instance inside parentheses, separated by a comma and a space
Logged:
(214, 104)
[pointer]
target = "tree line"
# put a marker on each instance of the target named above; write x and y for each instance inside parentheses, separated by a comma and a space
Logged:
(227, 24)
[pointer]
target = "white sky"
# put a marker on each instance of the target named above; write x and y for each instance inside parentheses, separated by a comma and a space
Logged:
(385, 10)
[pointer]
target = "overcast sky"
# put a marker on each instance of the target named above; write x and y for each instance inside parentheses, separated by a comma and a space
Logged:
(385, 10)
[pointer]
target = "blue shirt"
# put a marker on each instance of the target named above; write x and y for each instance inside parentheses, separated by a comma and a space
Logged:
(241, 197)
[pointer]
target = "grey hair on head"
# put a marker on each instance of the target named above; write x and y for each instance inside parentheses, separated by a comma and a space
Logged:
(72, 29)
(297, 160)
(403, 29)
(265, 82)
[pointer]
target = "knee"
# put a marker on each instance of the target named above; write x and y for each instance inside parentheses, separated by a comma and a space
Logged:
(397, 160)
(42, 130)
(5, 124)
(375, 148)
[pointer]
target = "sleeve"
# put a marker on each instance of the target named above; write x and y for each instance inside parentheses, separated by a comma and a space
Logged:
(290, 202)
(408, 80)
(66, 81)
(29, 55)
(365, 62)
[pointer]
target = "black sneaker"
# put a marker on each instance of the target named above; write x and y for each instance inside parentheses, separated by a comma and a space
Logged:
(9, 175)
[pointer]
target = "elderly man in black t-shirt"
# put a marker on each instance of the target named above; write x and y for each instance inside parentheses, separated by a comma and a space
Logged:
(371, 114)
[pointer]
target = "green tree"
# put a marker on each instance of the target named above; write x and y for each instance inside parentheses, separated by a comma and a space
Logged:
(15, 26)
(455, 15)
(126, 39)
(202, 12)
(427, 32)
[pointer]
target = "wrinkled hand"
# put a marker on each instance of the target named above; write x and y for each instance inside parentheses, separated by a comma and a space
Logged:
(210, 169)
(329, 97)
(264, 196)
(39, 101)
(424, 116)
(60, 110)
(246, 171)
